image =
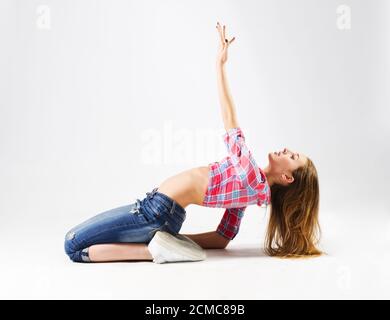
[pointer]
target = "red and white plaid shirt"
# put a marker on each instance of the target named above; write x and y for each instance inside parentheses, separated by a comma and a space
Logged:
(234, 183)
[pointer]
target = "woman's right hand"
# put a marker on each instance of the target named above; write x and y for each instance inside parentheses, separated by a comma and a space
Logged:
(223, 45)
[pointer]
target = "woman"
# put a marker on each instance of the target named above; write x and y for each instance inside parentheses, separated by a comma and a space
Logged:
(148, 229)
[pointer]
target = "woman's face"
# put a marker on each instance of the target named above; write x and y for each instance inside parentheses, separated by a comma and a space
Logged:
(283, 163)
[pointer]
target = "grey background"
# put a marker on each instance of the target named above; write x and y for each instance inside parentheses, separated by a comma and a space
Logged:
(84, 104)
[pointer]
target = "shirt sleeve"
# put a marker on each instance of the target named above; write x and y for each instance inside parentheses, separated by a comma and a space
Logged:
(238, 151)
(230, 223)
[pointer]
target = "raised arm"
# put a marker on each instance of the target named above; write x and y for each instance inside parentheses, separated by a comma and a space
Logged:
(226, 101)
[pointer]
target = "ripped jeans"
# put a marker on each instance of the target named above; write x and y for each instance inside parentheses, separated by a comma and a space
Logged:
(135, 222)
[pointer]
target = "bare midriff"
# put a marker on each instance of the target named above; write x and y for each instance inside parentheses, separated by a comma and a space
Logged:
(187, 187)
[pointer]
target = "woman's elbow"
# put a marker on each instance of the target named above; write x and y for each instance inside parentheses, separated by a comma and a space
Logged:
(222, 242)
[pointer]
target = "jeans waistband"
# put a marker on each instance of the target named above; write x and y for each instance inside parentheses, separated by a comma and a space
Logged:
(166, 200)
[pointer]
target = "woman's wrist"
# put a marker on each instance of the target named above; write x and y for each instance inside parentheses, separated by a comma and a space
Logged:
(219, 64)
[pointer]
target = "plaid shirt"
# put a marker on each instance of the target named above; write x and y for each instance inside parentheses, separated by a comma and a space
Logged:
(234, 183)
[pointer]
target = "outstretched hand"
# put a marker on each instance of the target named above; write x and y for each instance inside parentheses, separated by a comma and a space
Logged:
(223, 45)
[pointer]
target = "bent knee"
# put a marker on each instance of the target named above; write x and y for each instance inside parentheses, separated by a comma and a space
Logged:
(73, 250)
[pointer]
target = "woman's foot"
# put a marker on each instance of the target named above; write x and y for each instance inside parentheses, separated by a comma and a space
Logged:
(165, 247)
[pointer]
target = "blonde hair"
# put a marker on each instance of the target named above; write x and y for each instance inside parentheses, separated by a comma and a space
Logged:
(293, 228)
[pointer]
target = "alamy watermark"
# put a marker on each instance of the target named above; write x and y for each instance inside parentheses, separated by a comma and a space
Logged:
(343, 21)
(43, 20)
(179, 146)
(344, 277)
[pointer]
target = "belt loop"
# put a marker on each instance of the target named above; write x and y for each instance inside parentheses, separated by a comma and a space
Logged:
(151, 193)
(173, 207)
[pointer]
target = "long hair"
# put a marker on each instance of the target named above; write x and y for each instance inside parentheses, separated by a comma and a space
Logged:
(293, 227)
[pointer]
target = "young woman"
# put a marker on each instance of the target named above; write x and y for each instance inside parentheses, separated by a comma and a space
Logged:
(148, 229)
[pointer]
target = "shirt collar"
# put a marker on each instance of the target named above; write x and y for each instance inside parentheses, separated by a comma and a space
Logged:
(266, 190)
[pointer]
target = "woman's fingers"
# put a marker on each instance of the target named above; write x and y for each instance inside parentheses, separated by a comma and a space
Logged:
(220, 33)
(232, 40)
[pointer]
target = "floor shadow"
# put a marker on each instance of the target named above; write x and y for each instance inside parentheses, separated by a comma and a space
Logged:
(236, 253)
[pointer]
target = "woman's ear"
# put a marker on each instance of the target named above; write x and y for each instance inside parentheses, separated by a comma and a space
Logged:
(287, 179)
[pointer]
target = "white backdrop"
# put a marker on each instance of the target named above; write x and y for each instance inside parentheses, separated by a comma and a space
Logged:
(100, 101)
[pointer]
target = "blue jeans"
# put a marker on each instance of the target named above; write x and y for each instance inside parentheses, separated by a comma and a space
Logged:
(135, 222)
